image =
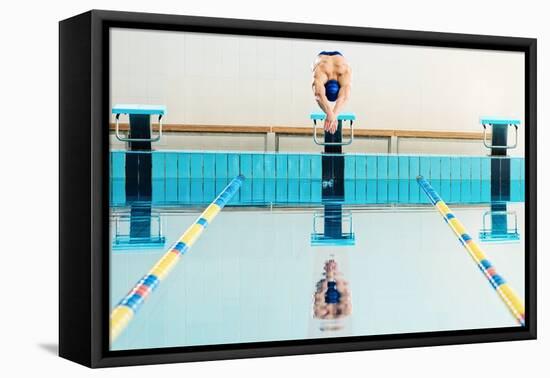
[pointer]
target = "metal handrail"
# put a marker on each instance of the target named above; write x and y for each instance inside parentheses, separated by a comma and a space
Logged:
(501, 147)
(127, 139)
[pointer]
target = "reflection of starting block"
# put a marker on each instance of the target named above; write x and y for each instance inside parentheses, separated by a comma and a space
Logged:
(336, 138)
(499, 230)
(334, 220)
(141, 128)
(134, 231)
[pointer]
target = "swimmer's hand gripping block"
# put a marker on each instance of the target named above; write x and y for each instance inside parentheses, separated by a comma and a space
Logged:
(320, 116)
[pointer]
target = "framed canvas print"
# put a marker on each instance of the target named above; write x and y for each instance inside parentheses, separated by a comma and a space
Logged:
(235, 188)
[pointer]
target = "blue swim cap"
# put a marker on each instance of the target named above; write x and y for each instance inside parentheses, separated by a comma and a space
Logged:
(332, 295)
(332, 87)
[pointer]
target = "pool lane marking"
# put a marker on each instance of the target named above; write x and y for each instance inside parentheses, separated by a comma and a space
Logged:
(505, 291)
(123, 313)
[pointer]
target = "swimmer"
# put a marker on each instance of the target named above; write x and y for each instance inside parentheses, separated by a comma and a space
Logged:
(331, 83)
(332, 297)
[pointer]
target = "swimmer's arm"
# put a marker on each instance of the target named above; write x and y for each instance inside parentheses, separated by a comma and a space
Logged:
(321, 97)
(343, 97)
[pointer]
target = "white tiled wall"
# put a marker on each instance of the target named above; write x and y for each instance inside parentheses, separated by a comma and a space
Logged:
(239, 80)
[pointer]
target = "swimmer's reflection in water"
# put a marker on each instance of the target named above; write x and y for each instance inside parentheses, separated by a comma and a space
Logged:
(332, 298)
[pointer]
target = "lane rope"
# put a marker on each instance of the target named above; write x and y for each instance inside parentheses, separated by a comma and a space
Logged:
(124, 312)
(506, 293)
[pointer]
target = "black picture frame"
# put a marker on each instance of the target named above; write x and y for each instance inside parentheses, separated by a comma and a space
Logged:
(84, 190)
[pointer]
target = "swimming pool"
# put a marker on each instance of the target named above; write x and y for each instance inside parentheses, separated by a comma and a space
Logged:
(255, 273)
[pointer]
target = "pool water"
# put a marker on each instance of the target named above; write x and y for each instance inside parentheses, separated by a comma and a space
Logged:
(254, 274)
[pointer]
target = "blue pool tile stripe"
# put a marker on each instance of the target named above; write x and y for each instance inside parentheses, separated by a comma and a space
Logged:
(475, 169)
(316, 167)
(466, 180)
(281, 165)
(270, 190)
(403, 175)
(258, 169)
(382, 170)
(393, 175)
(424, 162)
(118, 177)
(382, 184)
(475, 184)
(171, 177)
(515, 177)
(316, 191)
(435, 168)
(270, 166)
(393, 168)
(158, 176)
(486, 168)
(445, 171)
(414, 170)
(455, 179)
(349, 167)
(190, 177)
(233, 165)
(359, 168)
(118, 162)
(515, 169)
(293, 166)
(221, 166)
(197, 166)
(305, 190)
(184, 166)
(246, 165)
(372, 167)
(171, 165)
(305, 167)
(209, 164)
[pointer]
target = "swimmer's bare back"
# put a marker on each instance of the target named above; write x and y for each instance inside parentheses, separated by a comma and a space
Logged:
(328, 68)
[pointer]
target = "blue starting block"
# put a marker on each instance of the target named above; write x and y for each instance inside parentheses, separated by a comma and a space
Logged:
(498, 146)
(333, 163)
(138, 183)
(139, 117)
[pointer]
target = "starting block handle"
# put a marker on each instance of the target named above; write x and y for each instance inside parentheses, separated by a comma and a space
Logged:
(319, 116)
(141, 110)
(489, 123)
